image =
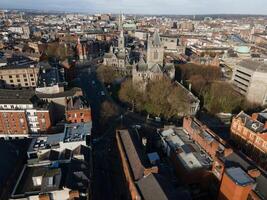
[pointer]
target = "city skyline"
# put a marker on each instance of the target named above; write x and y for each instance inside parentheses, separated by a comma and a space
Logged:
(181, 7)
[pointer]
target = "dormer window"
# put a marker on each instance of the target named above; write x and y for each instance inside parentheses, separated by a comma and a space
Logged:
(254, 126)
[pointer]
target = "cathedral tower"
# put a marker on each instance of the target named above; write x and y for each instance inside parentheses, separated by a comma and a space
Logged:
(155, 50)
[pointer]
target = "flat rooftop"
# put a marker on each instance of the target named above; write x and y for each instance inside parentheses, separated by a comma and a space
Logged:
(254, 65)
(46, 142)
(43, 178)
(77, 131)
(48, 77)
(239, 176)
(191, 156)
(35, 179)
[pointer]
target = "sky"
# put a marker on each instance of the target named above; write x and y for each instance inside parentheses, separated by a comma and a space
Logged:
(179, 7)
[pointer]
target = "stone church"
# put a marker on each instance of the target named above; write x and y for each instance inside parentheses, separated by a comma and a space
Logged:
(117, 57)
(154, 68)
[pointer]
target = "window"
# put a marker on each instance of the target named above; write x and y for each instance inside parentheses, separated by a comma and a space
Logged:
(31, 75)
(17, 76)
(25, 80)
(156, 55)
(24, 75)
(37, 181)
(10, 76)
(32, 79)
(18, 80)
(258, 140)
(11, 81)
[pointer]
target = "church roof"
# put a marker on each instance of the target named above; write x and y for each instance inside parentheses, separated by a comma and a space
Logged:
(169, 66)
(108, 55)
(156, 38)
(156, 68)
(142, 65)
(141, 61)
(121, 55)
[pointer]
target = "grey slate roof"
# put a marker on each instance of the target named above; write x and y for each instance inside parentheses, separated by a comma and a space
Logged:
(151, 189)
(253, 125)
(156, 68)
(156, 39)
(239, 176)
(132, 155)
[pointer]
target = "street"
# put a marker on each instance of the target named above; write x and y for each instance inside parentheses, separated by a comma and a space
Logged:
(108, 180)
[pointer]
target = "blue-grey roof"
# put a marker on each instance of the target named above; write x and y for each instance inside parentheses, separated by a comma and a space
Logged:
(77, 131)
(239, 176)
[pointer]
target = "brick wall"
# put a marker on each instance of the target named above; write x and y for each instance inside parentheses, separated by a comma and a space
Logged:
(229, 190)
(44, 120)
(77, 116)
(253, 138)
(209, 146)
(13, 122)
(126, 169)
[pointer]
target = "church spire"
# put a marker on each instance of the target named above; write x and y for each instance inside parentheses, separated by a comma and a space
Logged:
(120, 22)
(156, 38)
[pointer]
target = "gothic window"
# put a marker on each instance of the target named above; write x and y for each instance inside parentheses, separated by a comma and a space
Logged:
(156, 55)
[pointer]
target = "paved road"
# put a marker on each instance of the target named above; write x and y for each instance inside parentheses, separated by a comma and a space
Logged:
(108, 180)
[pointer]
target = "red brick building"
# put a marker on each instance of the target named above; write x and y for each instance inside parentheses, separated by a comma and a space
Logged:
(45, 119)
(13, 122)
(21, 113)
(250, 134)
(77, 110)
(236, 184)
(206, 138)
(238, 178)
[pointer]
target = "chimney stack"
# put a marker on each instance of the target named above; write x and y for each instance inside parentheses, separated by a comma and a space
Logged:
(255, 116)
(228, 151)
(254, 173)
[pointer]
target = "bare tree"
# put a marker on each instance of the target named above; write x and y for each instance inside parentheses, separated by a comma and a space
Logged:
(107, 74)
(108, 110)
(161, 98)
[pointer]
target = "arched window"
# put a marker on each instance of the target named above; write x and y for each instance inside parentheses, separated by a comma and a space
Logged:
(156, 55)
